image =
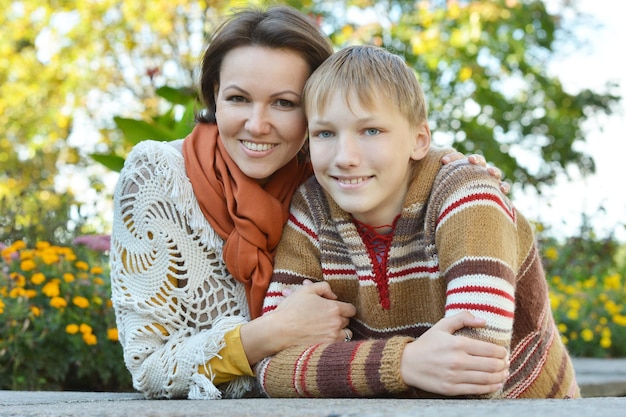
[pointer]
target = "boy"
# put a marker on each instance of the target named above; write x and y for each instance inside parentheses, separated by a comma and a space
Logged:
(450, 293)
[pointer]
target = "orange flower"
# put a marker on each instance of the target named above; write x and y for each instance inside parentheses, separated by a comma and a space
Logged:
(58, 302)
(112, 335)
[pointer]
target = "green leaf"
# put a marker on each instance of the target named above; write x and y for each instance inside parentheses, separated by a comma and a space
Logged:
(136, 131)
(181, 95)
(111, 161)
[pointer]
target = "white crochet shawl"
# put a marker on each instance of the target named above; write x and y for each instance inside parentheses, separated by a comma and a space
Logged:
(173, 298)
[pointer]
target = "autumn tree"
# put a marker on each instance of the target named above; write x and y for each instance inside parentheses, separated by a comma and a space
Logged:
(483, 66)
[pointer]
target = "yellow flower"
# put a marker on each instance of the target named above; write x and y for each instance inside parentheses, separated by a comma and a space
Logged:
(51, 289)
(98, 281)
(37, 278)
(605, 342)
(36, 311)
(27, 254)
(619, 319)
(49, 257)
(30, 294)
(18, 245)
(41, 245)
(2, 305)
(27, 265)
(90, 339)
(572, 314)
(82, 265)
(465, 73)
(85, 328)
(17, 292)
(562, 327)
(613, 282)
(58, 302)
(97, 300)
(587, 335)
(19, 279)
(551, 253)
(68, 277)
(71, 329)
(555, 301)
(96, 270)
(80, 302)
(112, 335)
(612, 308)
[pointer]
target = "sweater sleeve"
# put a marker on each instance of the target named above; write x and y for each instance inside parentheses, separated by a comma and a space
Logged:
(477, 244)
(365, 368)
(230, 363)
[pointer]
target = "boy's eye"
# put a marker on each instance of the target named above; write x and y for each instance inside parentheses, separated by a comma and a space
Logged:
(371, 131)
(324, 134)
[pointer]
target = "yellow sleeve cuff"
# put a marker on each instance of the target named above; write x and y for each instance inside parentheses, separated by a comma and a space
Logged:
(231, 362)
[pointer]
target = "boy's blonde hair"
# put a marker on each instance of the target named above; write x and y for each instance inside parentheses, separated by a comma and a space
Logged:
(364, 72)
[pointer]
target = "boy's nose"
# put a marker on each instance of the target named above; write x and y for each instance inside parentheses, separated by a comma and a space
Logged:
(347, 152)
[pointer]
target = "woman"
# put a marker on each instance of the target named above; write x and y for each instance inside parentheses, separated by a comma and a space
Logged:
(197, 221)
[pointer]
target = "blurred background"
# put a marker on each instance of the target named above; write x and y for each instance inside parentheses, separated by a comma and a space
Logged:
(535, 86)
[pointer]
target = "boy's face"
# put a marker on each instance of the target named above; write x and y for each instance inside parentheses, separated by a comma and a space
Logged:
(362, 157)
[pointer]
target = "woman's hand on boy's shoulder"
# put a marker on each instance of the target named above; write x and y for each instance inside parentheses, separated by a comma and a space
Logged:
(479, 160)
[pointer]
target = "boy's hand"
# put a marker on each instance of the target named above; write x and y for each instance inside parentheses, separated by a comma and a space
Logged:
(442, 363)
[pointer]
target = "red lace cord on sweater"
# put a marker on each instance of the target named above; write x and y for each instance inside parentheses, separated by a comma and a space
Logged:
(377, 245)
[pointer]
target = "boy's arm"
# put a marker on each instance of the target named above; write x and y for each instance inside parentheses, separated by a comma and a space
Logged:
(364, 368)
(477, 244)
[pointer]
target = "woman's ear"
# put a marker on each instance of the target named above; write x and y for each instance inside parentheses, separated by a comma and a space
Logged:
(422, 141)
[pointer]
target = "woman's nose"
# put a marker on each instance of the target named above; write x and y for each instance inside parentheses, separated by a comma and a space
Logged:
(258, 122)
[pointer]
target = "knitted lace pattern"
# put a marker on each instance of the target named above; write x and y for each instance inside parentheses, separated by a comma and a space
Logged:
(173, 298)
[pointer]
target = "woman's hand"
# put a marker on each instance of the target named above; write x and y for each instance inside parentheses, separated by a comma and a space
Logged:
(442, 363)
(309, 315)
(477, 159)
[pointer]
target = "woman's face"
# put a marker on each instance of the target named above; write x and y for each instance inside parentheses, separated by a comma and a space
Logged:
(259, 108)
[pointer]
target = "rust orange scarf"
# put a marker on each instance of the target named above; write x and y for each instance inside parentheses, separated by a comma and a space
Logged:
(248, 216)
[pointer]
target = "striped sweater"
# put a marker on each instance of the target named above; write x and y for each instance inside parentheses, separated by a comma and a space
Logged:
(458, 245)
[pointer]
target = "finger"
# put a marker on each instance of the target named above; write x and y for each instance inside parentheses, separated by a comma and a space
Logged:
(475, 389)
(452, 156)
(458, 321)
(307, 282)
(495, 172)
(483, 378)
(477, 159)
(320, 288)
(345, 334)
(482, 349)
(505, 187)
(346, 309)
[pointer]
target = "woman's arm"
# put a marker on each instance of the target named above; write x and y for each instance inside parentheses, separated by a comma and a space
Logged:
(173, 297)
(309, 315)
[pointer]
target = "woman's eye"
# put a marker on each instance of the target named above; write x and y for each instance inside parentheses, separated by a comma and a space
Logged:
(371, 131)
(237, 99)
(284, 103)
